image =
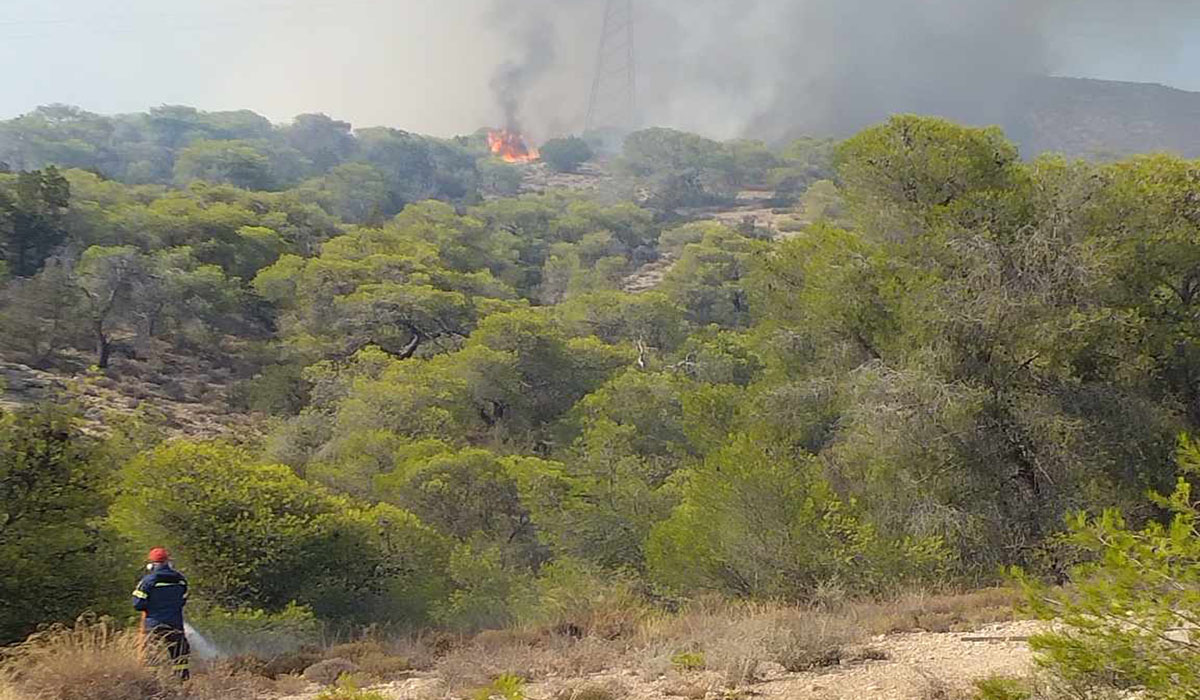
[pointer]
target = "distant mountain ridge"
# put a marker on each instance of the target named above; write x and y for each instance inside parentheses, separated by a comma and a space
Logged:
(1079, 117)
(1086, 117)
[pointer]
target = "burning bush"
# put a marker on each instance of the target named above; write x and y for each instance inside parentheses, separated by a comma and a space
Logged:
(510, 146)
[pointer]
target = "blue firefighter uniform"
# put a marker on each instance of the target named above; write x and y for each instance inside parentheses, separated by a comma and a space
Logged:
(160, 597)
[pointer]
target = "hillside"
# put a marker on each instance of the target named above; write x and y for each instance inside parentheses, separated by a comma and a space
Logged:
(1076, 116)
(710, 375)
(1082, 117)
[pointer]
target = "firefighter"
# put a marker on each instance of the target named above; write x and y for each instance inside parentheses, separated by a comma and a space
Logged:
(160, 597)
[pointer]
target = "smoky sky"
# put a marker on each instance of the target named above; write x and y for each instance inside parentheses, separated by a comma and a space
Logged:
(770, 67)
(721, 67)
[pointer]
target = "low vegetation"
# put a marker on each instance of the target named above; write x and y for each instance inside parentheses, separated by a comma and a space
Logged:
(711, 641)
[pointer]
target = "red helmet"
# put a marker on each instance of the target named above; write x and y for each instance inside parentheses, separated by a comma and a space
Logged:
(158, 555)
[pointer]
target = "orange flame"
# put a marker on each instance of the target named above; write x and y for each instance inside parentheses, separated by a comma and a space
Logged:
(510, 146)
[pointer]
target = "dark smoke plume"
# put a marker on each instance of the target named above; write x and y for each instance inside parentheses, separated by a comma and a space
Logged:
(534, 35)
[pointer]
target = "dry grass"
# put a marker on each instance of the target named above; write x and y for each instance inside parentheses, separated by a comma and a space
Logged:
(933, 688)
(90, 661)
(228, 686)
(529, 657)
(734, 643)
(736, 640)
(693, 686)
(289, 685)
(96, 660)
(593, 690)
(386, 661)
(937, 613)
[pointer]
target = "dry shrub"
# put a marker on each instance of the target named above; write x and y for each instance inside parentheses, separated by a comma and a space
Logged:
(692, 687)
(290, 664)
(815, 640)
(938, 613)
(327, 672)
(420, 651)
(379, 660)
(215, 684)
(612, 689)
(384, 667)
(531, 657)
(578, 602)
(737, 638)
(93, 660)
(290, 685)
(934, 688)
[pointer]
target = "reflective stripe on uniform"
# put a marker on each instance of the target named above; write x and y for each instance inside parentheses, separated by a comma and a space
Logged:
(138, 593)
(164, 584)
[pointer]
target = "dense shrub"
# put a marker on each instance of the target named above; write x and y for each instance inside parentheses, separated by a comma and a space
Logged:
(55, 488)
(1129, 619)
(566, 154)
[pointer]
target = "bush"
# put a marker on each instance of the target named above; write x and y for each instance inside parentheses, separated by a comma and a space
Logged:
(575, 596)
(380, 661)
(822, 640)
(797, 536)
(92, 660)
(566, 154)
(1001, 688)
(1130, 618)
(688, 661)
(592, 690)
(507, 686)
(258, 536)
(347, 689)
(328, 672)
(54, 488)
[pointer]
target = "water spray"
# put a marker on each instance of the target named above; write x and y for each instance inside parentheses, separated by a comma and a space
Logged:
(201, 647)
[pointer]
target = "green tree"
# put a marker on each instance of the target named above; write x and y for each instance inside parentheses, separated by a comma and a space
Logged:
(31, 220)
(236, 163)
(753, 523)
(110, 279)
(353, 192)
(41, 315)
(418, 283)
(255, 535)
(57, 558)
(1129, 617)
(566, 154)
(327, 143)
(469, 495)
(801, 164)
(900, 172)
(682, 170)
(710, 278)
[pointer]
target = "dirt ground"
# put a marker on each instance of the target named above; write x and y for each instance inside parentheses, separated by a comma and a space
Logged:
(911, 666)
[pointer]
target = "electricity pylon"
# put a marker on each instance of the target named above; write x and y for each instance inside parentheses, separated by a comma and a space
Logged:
(613, 103)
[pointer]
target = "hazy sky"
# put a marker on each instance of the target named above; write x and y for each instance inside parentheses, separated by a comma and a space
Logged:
(426, 65)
